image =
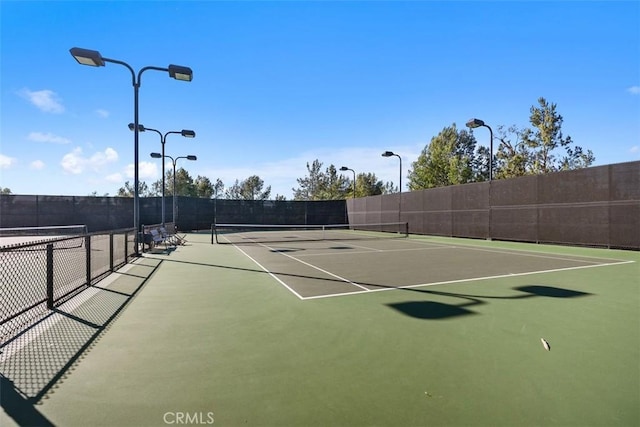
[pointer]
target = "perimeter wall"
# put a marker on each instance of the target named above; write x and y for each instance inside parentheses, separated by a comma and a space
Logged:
(598, 206)
(112, 213)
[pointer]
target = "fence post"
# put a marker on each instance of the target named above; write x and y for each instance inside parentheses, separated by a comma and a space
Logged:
(111, 252)
(50, 276)
(126, 247)
(87, 244)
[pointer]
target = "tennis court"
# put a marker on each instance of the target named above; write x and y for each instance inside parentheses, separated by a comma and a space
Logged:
(329, 263)
(359, 330)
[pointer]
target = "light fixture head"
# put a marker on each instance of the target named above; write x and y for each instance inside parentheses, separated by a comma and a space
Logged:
(188, 133)
(156, 155)
(475, 123)
(180, 73)
(141, 128)
(388, 154)
(191, 157)
(87, 56)
(344, 168)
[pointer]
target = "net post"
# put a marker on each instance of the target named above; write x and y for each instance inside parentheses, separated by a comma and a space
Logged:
(212, 231)
(126, 247)
(406, 229)
(111, 252)
(50, 276)
(87, 244)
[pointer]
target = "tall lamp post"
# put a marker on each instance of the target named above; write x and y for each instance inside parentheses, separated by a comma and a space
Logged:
(189, 157)
(475, 123)
(94, 59)
(163, 138)
(344, 168)
(390, 154)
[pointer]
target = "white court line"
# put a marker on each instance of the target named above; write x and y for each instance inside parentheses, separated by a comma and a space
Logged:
(419, 240)
(501, 276)
(505, 251)
(269, 273)
(379, 250)
(300, 261)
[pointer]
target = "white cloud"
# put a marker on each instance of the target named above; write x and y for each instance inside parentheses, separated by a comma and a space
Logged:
(634, 90)
(75, 163)
(37, 165)
(635, 149)
(6, 162)
(146, 170)
(46, 100)
(102, 113)
(47, 137)
(115, 178)
(101, 158)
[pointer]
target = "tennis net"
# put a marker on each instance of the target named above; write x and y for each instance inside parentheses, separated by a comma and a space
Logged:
(11, 236)
(260, 233)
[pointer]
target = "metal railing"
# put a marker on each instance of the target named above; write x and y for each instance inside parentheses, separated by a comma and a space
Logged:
(35, 277)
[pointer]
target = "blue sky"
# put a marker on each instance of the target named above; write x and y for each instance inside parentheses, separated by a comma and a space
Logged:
(280, 84)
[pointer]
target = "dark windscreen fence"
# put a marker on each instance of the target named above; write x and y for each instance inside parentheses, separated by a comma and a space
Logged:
(280, 212)
(597, 206)
(192, 213)
(97, 213)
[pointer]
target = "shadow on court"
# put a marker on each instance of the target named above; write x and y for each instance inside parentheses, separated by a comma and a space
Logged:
(428, 310)
(35, 360)
(437, 310)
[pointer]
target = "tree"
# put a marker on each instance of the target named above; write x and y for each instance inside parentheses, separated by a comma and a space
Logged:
(204, 187)
(512, 157)
(129, 191)
(538, 150)
(218, 188)
(448, 160)
(367, 184)
(5, 190)
(311, 184)
(547, 137)
(389, 188)
(233, 192)
(184, 184)
(318, 185)
(251, 189)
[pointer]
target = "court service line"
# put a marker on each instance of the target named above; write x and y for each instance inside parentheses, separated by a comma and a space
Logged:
(269, 273)
(536, 255)
(313, 266)
(473, 279)
(379, 250)
(419, 240)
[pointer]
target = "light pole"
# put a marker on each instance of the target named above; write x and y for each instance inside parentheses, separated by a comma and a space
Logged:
(390, 154)
(476, 123)
(94, 59)
(344, 168)
(189, 157)
(163, 138)
(472, 124)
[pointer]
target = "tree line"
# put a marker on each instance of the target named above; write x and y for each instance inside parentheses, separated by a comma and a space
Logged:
(452, 157)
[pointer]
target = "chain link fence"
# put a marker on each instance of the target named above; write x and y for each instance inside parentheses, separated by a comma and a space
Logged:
(37, 276)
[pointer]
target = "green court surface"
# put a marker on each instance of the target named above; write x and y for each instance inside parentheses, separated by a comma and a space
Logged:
(417, 331)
